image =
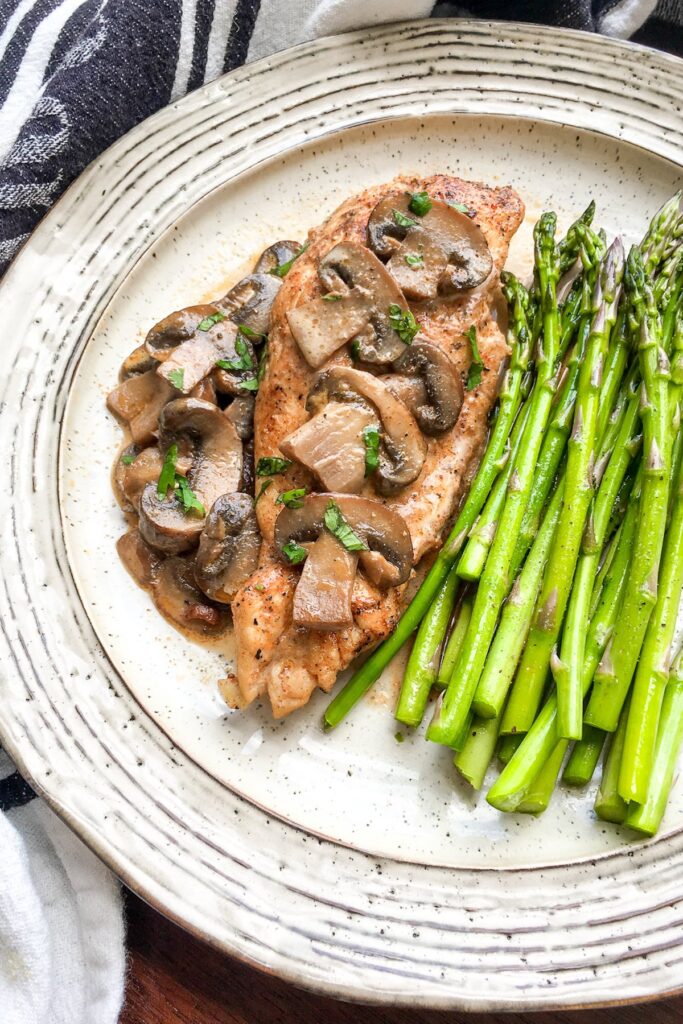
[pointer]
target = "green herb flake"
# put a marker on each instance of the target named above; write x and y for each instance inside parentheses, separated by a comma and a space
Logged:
(399, 737)
(371, 442)
(264, 487)
(244, 359)
(354, 349)
(250, 384)
(177, 378)
(207, 323)
(259, 587)
(420, 203)
(413, 259)
(248, 332)
(128, 460)
(404, 323)
(293, 498)
(187, 497)
(294, 552)
(402, 220)
(167, 475)
(339, 528)
(285, 268)
(272, 465)
(332, 297)
(462, 208)
(476, 366)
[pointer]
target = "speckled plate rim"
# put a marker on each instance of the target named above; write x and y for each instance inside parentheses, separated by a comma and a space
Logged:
(323, 916)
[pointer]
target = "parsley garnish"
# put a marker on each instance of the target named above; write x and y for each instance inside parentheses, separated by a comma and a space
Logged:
(272, 465)
(187, 497)
(264, 487)
(214, 318)
(414, 259)
(293, 498)
(402, 220)
(177, 378)
(167, 475)
(332, 297)
(462, 208)
(476, 366)
(404, 323)
(284, 268)
(339, 528)
(248, 332)
(354, 348)
(244, 360)
(294, 552)
(420, 203)
(250, 384)
(127, 460)
(371, 442)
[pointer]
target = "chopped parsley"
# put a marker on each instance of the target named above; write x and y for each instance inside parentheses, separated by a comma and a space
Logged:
(414, 259)
(332, 297)
(354, 348)
(293, 498)
(169, 479)
(187, 497)
(248, 332)
(420, 203)
(284, 268)
(127, 460)
(264, 487)
(402, 220)
(259, 587)
(272, 465)
(214, 318)
(294, 552)
(339, 528)
(250, 384)
(371, 442)
(462, 208)
(476, 366)
(244, 359)
(404, 323)
(167, 475)
(177, 378)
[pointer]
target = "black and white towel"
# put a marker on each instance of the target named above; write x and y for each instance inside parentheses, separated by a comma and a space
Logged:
(74, 76)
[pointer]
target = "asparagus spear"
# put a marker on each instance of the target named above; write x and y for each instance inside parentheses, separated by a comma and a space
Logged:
(537, 796)
(496, 582)
(559, 573)
(423, 663)
(520, 341)
(539, 743)
(507, 746)
(473, 760)
(609, 805)
(646, 817)
(615, 672)
(450, 654)
(658, 234)
(584, 757)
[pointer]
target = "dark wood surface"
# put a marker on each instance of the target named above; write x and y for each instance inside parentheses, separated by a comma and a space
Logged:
(175, 979)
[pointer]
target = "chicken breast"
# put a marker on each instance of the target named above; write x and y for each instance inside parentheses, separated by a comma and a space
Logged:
(274, 657)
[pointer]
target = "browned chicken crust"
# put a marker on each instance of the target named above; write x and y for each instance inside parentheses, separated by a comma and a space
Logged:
(273, 656)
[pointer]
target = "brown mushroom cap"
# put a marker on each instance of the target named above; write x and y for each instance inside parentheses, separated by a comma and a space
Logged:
(251, 300)
(360, 314)
(139, 361)
(139, 401)
(178, 598)
(240, 412)
(134, 477)
(382, 529)
(276, 255)
(141, 561)
(187, 365)
(164, 525)
(402, 446)
(444, 393)
(229, 547)
(176, 328)
(442, 253)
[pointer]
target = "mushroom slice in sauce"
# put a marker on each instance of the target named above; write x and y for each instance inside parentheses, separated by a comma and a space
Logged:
(209, 441)
(402, 446)
(356, 308)
(441, 253)
(276, 255)
(179, 599)
(139, 401)
(195, 358)
(229, 547)
(240, 412)
(389, 553)
(176, 328)
(139, 361)
(134, 477)
(443, 390)
(331, 446)
(141, 561)
(322, 599)
(250, 301)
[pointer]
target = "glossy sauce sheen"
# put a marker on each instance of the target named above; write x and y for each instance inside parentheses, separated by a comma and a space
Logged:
(274, 657)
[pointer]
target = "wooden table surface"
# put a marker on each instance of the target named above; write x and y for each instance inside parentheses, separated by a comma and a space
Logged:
(175, 979)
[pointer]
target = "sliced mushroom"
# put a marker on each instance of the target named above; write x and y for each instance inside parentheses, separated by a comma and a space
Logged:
(178, 598)
(118, 474)
(205, 390)
(251, 300)
(209, 441)
(230, 382)
(229, 547)
(139, 361)
(331, 445)
(240, 412)
(176, 328)
(194, 359)
(411, 390)
(322, 599)
(139, 401)
(363, 291)
(138, 558)
(402, 446)
(387, 560)
(135, 476)
(441, 253)
(276, 255)
(444, 393)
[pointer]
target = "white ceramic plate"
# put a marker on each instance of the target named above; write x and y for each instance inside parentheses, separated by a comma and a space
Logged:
(349, 863)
